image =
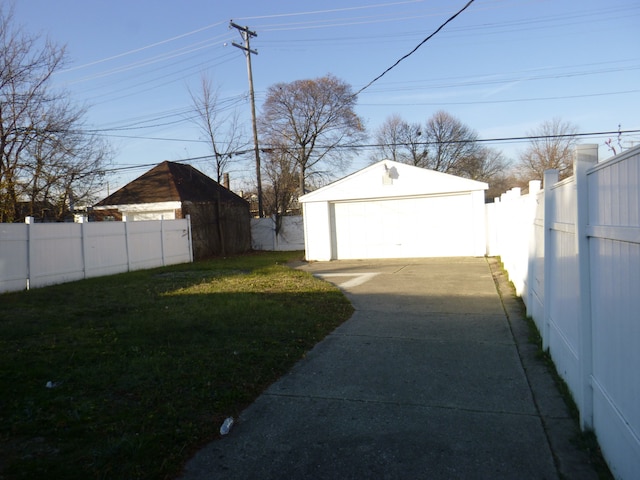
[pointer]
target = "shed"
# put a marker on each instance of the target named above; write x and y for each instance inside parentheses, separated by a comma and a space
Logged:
(394, 210)
(220, 219)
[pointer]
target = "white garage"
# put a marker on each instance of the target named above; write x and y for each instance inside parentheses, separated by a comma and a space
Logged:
(393, 210)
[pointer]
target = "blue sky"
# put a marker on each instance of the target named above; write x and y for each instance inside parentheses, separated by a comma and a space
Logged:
(502, 67)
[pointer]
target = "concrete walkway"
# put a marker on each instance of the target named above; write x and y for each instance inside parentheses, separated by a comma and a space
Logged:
(432, 378)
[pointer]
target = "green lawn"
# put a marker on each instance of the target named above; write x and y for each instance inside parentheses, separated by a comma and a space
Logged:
(146, 365)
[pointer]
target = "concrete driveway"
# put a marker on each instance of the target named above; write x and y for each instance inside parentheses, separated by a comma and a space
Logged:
(431, 378)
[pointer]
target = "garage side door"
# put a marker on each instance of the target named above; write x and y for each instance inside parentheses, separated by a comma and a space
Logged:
(403, 228)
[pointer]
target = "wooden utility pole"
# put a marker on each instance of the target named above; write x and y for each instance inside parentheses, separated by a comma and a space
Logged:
(246, 47)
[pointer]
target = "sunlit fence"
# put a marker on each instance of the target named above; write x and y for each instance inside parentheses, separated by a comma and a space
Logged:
(38, 254)
(572, 252)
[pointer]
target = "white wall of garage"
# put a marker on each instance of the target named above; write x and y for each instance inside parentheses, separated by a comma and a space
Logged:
(393, 210)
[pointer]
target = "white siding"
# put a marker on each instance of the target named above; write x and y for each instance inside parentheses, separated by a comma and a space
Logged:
(144, 216)
(317, 231)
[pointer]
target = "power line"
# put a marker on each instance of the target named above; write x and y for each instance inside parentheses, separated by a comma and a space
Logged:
(265, 148)
(164, 80)
(497, 140)
(469, 80)
(450, 19)
(146, 47)
(268, 148)
(333, 10)
(514, 100)
(453, 30)
(187, 114)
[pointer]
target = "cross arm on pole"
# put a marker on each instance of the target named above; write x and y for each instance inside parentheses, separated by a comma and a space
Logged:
(246, 49)
(242, 29)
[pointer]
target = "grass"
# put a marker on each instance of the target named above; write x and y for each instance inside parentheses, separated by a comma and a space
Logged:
(146, 365)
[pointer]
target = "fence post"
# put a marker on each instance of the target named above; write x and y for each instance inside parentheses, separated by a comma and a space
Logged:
(274, 236)
(29, 221)
(586, 157)
(550, 178)
(81, 219)
(188, 217)
(512, 245)
(534, 188)
(126, 242)
(164, 262)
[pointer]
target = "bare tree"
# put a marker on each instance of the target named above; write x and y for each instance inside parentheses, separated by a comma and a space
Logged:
(312, 122)
(503, 182)
(486, 165)
(223, 135)
(416, 150)
(551, 147)
(388, 137)
(282, 184)
(402, 142)
(452, 144)
(444, 144)
(65, 166)
(222, 132)
(44, 155)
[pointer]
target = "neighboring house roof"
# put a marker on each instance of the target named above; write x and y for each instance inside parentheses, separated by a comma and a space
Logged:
(389, 179)
(170, 182)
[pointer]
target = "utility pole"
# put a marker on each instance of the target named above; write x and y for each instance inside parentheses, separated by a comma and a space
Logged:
(246, 47)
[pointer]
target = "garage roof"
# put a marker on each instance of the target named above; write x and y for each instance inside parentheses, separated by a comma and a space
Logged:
(389, 179)
(170, 182)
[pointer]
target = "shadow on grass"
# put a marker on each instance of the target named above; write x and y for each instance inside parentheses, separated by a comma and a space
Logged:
(126, 376)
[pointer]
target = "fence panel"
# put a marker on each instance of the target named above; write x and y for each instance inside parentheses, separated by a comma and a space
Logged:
(14, 253)
(535, 291)
(562, 272)
(614, 229)
(55, 253)
(510, 227)
(35, 255)
(175, 237)
(583, 290)
(144, 244)
(290, 237)
(105, 248)
(263, 232)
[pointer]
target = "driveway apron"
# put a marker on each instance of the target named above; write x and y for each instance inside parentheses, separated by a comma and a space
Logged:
(426, 380)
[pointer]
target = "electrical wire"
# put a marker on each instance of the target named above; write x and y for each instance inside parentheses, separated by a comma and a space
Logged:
(140, 87)
(497, 140)
(449, 20)
(333, 10)
(146, 47)
(519, 24)
(490, 102)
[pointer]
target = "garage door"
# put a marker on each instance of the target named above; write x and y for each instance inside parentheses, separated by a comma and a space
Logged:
(403, 228)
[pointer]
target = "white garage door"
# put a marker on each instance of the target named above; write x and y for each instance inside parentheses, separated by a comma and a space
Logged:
(403, 228)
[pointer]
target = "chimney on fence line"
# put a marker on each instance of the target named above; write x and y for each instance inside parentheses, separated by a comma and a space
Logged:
(225, 181)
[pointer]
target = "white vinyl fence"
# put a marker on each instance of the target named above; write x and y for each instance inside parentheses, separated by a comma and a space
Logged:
(290, 237)
(573, 254)
(37, 254)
